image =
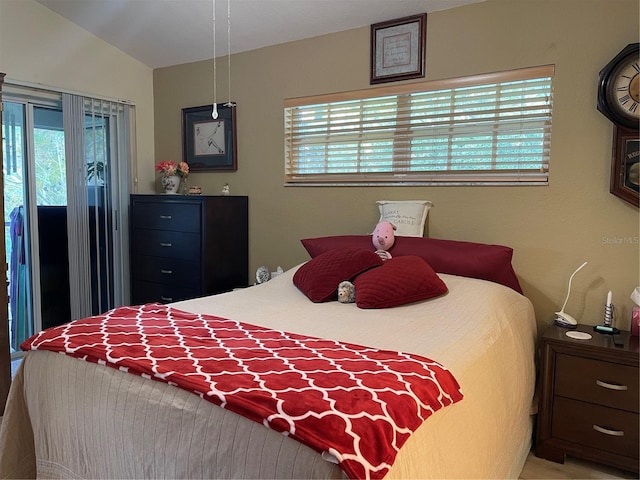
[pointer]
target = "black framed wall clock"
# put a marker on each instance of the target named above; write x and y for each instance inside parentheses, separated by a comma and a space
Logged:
(619, 101)
(619, 88)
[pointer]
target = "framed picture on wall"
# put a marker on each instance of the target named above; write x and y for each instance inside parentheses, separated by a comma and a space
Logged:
(398, 49)
(209, 144)
(625, 164)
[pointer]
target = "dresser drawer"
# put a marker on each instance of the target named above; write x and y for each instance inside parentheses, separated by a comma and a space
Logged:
(159, 243)
(594, 426)
(178, 217)
(150, 292)
(166, 270)
(597, 381)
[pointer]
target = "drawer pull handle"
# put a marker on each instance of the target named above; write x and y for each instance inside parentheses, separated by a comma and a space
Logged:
(170, 299)
(611, 386)
(165, 217)
(165, 244)
(166, 272)
(606, 431)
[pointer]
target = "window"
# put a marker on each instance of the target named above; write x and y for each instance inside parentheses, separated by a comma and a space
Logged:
(486, 129)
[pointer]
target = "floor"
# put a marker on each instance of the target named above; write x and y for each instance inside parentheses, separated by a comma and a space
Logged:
(537, 468)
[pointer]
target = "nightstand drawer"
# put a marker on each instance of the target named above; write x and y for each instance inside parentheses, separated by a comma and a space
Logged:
(597, 381)
(169, 271)
(594, 426)
(179, 217)
(158, 243)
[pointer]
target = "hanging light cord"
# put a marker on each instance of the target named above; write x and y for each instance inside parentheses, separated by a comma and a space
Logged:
(229, 102)
(214, 112)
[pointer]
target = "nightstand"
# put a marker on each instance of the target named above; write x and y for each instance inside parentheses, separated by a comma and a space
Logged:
(588, 404)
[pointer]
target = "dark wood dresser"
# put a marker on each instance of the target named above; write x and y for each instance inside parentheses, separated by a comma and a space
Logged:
(588, 404)
(187, 246)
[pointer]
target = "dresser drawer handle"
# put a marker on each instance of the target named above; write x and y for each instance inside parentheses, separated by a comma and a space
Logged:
(166, 272)
(165, 244)
(606, 431)
(611, 386)
(165, 217)
(170, 299)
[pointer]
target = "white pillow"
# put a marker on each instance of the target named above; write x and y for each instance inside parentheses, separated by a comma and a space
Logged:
(409, 216)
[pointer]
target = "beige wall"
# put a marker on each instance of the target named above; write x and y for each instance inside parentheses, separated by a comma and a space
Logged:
(552, 229)
(39, 46)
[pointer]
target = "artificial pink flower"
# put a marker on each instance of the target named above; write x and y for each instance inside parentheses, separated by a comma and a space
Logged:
(169, 167)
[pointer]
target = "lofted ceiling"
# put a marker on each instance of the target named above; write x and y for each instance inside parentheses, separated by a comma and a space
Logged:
(160, 33)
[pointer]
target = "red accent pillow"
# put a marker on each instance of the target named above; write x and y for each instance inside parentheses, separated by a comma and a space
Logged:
(467, 259)
(398, 281)
(319, 278)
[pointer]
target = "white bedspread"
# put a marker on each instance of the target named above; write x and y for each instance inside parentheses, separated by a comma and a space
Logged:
(73, 419)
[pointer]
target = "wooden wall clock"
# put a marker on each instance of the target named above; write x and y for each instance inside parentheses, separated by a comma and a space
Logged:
(625, 164)
(619, 101)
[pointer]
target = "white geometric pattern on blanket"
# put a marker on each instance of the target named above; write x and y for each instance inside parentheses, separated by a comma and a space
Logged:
(263, 373)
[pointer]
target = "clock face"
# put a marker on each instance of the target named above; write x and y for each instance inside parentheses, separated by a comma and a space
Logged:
(619, 88)
(626, 88)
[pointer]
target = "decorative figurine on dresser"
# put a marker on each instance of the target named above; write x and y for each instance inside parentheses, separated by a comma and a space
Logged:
(185, 246)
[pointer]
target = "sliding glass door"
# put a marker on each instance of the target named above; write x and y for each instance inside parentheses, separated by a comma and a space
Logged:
(35, 163)
(65, 195)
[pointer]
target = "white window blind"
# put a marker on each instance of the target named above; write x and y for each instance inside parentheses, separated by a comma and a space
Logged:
(485, 129)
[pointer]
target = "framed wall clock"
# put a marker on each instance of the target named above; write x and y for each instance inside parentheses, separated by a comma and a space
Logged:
(625, 164)
(619, 101)
(619, 88)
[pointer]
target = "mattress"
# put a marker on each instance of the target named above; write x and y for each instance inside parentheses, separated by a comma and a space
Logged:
(66, 418)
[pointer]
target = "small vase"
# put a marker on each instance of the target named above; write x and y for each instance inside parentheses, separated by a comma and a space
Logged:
(171, 184)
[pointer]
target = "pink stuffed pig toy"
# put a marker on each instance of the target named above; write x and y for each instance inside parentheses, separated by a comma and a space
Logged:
(383, 239)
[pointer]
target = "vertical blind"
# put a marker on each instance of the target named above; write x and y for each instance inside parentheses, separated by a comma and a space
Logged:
(94, 134)
(97, 147)
(77, 206)
(485, 129)
(99, 159)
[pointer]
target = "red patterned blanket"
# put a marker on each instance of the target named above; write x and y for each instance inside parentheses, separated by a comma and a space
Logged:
(356, 403)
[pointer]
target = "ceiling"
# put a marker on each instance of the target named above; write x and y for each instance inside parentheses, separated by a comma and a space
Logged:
(160, 33)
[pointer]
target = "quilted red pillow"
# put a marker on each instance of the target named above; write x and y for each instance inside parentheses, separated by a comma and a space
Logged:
(467, 259)
(398, 281)
(319, 278)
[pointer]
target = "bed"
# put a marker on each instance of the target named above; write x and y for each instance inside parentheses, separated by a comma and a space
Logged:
(68, 418)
